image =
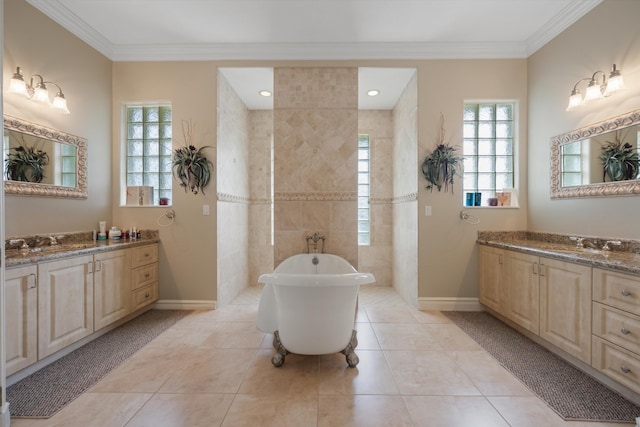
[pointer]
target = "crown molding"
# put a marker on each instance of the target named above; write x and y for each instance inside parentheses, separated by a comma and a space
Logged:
(563, 20)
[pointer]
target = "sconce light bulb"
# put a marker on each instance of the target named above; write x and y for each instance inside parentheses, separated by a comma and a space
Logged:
(60, 104)
(575, 100)
(17, 84)
(41, 94)
(594, 91)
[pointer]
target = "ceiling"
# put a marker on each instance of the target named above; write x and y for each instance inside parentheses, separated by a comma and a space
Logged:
(157, 30)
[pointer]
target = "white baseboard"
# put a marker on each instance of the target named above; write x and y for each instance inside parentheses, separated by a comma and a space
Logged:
(5, 416)
(449, 304)
(177, 304)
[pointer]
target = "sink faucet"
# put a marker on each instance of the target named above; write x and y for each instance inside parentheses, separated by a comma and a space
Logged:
(611, 242)
(14, 242)
(53, 240)
(581, 242)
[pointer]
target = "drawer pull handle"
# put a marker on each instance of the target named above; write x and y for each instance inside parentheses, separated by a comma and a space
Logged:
(146, 255)
(625, 370)
(625, 293)
(147, 295)
(625, 331)
(146, 276)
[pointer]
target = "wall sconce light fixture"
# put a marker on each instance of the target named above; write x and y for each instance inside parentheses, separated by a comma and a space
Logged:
(596, 90)
(39, 92)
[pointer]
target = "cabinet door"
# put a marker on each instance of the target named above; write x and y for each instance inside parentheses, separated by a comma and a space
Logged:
(490, 274)
(565, 306)
(21, 296)
(522, 290)
(111, 287)
(65, 303)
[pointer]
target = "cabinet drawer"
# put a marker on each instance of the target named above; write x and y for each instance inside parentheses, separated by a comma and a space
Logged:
(617, 290)
(144, 255)
(616, 363)
(617, 326)
(145, 296)
(144, 275)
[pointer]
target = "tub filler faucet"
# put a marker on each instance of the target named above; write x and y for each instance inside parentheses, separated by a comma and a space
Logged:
(315, 238)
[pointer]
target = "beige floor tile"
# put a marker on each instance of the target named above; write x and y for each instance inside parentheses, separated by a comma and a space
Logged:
(180, 337)
(210, 371)
(523, 411)
(451, 337)
(92, 409)
(272, 411)
(367, 339)
(371, 376)
(389, 314)
(362, 411)
(235, 313)
(298, 375)
(145, 371)
(450, 411)
(403, 336)
(429, 316)
(235, 335)
(429, 373)
(488, 375)
(193, 410)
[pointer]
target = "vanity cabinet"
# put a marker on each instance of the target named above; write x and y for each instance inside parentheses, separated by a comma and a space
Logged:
(565, 306)
(522, 290)
(550, 298)
(490, 277)
(111, 287)
(616, 326)
(21, 296)
(144, 275)
(65, 303)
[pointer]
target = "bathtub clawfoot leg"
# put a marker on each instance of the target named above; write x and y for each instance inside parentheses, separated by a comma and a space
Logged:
(349, 351)
(278, 359)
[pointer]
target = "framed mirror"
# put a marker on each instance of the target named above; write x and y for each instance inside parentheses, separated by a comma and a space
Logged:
(41, 161)
(598, 160)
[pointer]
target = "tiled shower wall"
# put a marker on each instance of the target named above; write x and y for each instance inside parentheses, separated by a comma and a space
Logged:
(260, 247)
(233, 193)
(405, 196)
(315, 171)
(377, 257)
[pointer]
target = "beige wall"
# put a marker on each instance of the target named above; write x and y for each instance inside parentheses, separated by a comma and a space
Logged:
(315, 171)
(39, 46)
(447, 254)
(608, 34)
(188, 246)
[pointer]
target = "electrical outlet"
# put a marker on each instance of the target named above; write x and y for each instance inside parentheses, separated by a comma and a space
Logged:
(205, 209)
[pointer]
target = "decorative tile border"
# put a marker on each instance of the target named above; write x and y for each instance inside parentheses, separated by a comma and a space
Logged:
(222, 197)
(406, 198)
(345, 196)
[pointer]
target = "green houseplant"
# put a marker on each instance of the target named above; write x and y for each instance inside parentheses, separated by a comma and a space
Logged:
(441, 166)
(190, 165)
(619, 160)
(26, 164)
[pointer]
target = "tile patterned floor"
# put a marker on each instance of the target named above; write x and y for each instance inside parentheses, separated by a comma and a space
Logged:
(213, 368)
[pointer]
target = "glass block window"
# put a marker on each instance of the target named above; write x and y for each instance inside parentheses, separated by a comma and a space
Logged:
(364, 213)
(149, 148)
(572, 164)
(488, 148)
(68, 165)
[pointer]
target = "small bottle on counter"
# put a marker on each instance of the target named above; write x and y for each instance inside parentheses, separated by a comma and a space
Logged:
(114, 233)
(134, 233)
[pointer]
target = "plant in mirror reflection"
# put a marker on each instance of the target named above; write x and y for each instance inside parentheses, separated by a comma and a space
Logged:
(26, 163)
(620, 160)
(190, 166)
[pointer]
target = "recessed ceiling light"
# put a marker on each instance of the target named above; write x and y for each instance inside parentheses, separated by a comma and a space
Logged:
(373, 92)
(265, 93)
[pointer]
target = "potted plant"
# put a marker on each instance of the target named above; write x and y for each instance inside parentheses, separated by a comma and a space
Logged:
(190, 165)
(619, 160)
(442, 165)
(25, 163)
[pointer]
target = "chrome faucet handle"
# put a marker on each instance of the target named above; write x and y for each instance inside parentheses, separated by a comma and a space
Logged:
(24, 245)
(579, 241)
(611, 242)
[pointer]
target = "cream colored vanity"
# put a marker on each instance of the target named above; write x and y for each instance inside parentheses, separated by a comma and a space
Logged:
(54, 303)
(585, 305)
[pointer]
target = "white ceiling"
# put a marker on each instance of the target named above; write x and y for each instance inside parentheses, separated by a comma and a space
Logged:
(145, 30)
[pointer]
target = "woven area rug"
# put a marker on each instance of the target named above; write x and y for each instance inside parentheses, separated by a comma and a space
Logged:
(45, 392)
(570, 392)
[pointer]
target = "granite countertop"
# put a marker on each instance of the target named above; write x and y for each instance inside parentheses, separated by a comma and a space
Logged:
(70, 245)
(624, 258)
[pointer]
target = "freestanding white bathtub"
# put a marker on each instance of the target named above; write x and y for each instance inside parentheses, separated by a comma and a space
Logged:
(309, 304)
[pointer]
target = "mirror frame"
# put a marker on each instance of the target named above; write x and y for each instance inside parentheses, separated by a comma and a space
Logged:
(602, 189)
(36, 189)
